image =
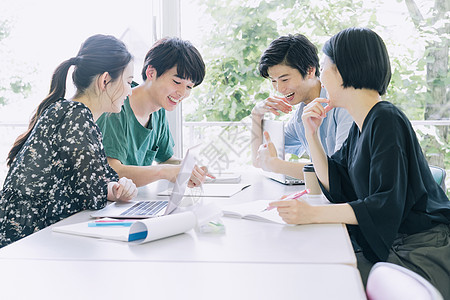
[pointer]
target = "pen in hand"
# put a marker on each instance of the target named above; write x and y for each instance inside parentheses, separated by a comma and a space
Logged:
(291, 196)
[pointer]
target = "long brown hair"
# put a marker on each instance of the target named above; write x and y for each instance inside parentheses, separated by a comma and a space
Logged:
(97, 55)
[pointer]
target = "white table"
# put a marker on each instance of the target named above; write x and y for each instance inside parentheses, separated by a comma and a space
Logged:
(38, 279)
(251, 260)
(243, 241)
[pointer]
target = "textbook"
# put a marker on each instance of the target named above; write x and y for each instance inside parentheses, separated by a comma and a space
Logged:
(211, 190)
(254, 210)
(140, 231)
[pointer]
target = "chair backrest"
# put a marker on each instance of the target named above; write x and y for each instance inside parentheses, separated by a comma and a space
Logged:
(390, 281)
(439, 176)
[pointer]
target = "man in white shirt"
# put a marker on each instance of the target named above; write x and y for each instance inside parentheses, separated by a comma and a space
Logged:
(292, 64)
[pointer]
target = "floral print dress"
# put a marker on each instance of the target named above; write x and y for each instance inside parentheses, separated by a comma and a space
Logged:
(60, 170)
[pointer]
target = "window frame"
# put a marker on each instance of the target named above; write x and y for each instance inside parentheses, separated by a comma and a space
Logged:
(168, 19)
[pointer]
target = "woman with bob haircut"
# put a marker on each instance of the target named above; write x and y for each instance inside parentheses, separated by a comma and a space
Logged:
(379, 180)
(58, 166)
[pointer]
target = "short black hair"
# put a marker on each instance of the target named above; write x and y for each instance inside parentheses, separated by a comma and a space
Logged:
(295, 51)
(168, 52)
(361, 58)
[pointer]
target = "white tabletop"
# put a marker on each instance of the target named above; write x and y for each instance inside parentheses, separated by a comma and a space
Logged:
(244, 240)
(39, 279)
(251, 260)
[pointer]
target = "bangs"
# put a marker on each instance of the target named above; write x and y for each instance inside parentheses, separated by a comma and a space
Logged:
(191, 70)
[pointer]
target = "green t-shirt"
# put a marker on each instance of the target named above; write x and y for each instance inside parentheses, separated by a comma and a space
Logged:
(125, 139)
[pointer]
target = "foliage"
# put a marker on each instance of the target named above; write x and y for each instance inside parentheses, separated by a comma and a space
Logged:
(241, 32)
(432, 144)
(10, 85)
(232, 83)
(5, 29)
(243, 29)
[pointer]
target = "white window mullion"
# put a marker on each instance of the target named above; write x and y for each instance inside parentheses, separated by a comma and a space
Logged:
(170, 26)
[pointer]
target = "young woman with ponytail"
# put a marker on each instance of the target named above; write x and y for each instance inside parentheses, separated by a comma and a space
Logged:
(58, 166)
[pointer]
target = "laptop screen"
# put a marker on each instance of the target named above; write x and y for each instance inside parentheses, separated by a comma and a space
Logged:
(187, 165)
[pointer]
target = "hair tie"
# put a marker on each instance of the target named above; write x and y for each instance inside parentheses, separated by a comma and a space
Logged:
(75, 60)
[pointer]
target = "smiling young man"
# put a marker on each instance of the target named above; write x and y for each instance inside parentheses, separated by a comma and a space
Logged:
(292, 64)
(139, 134)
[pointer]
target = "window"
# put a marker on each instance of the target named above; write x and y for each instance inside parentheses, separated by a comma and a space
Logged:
(36, 36)
(231, 35)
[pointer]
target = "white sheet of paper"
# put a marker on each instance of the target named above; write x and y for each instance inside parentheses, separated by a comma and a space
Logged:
(211, 190)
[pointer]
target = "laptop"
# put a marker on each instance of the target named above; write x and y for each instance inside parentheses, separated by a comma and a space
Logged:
(153, 208)
(276, 132)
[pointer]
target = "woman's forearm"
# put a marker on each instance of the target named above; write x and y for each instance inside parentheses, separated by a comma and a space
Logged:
(335, 213)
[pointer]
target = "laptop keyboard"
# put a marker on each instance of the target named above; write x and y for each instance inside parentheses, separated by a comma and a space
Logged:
(143, 208)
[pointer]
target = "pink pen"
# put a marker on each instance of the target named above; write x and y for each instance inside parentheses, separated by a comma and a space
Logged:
(291, 196)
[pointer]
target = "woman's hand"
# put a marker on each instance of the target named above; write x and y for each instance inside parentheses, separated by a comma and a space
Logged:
(123, 190)
(313, 115)
(294, 211)
(300, 212)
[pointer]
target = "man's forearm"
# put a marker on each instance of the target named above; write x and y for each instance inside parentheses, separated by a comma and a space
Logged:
(290, 168)
(143, 175)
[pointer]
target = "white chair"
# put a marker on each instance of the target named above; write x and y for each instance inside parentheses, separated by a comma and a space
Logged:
(388, 281)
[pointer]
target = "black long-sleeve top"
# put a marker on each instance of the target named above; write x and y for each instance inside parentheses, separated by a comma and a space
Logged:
(382, 174)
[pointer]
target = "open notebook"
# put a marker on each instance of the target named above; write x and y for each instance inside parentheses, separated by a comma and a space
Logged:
(254, 210)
